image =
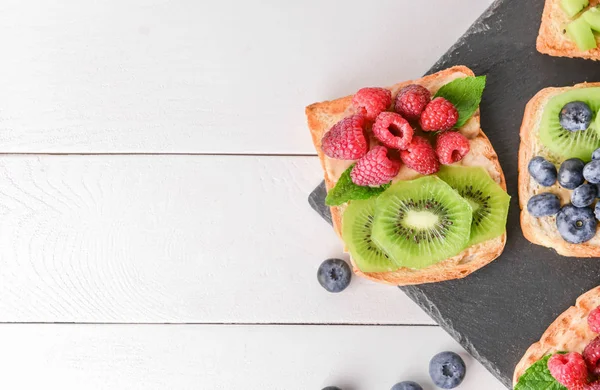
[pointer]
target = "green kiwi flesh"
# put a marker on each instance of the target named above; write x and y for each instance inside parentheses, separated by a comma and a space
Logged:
(487, 199)
(566, 143)
(421, 222)
(356, 231)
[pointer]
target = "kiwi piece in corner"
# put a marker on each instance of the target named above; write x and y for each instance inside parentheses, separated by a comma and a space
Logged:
(592, 16)
(487, 199)
(581, 33)
(421, 222)
(356, 230)
(573, 7)
(565, 143)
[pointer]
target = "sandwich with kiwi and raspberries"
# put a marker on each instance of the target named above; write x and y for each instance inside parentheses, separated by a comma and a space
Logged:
(415, 187)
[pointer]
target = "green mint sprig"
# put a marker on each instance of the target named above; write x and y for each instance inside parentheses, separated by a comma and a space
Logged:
(465, 95)
(345, 190)
(538, 377)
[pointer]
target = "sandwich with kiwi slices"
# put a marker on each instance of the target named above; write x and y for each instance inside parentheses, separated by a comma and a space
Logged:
(559, 170)
(416, 191)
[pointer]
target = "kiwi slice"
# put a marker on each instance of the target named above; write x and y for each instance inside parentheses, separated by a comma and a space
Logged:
(581, 33)
(356, 231)
(564, 143)
(421, 222)
(487, 199)
(573, 7)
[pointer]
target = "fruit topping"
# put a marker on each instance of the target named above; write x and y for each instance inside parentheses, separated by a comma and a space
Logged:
(594, 320)
(591, 354)
(543, 205)
(597, 211)
(584, 195)
(334, 275)
(374, 168)
(596, 154)
(411, 101)
(592, 386)
(393, 131)
(575, 116)
(447, 370)
(592, 17)
(569, 369)
(372, 101)
(581, 33)
(488, 200)
(591, 172)
(451, 147)
(346, 139)
(576, 224)
(439, 115)
(570, 173)
(567, 143)
(573, 7)
(357, 225)
(542, 171)
(421, 222)
(407, 385)
(420, 156)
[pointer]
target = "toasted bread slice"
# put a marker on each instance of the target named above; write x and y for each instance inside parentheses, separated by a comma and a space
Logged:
(553, 41)
(322, 116)
(543, 231)
(569, 333)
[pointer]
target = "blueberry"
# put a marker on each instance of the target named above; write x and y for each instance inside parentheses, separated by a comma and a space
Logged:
(447, 370)
(334, 275)
(575, 116)
(597, 211)
(591, 172)
(596, 154)
(570, 173)
(584, 195)
(543, 205)
(542, 171)
(576, 224)
(407, 385)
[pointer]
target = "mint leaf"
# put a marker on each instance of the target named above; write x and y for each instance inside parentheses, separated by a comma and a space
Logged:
(346, 190)
(465, 94)
(538, 377)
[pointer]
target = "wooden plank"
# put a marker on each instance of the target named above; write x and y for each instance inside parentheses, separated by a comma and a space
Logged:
(202, 76)
(173, 239)
(224, 357)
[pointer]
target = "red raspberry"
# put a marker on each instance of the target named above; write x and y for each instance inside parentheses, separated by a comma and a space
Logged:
(592, 386)
(451, 146)
(420, 156)
(591, 354)
(372, 101)
(411, 101)
(439, 115)
(346, 139)
(569, 370)
(392, 130)
(594, 320)
(375, 168)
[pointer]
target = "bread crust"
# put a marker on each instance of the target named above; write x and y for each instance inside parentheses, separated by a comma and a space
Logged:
(321, 116)
(569, 333)
(542, 231)
(551, 39)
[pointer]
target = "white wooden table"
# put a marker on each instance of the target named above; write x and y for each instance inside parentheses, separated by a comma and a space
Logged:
(154, 170)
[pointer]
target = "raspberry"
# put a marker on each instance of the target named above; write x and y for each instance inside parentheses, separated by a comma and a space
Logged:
(411, 101)
(375, 168)
(346, 139)
(592, 386)
(594, 320)
(591, 354)
(451, 146)
(372, 101)
(439, 115)
(392, 130)
(569, 370)
(420, 156)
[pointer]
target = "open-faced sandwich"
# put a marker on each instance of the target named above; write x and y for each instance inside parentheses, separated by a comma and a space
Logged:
(569, 29)
(568, 354)
(416, 190)
(561, 129)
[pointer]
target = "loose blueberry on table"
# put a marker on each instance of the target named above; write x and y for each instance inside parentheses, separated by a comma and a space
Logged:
(334, 275)
(407, 385)
(447, 370)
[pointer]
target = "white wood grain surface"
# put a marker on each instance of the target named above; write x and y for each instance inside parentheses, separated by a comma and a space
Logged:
(173, 239)
(177, 76)
(75, 357)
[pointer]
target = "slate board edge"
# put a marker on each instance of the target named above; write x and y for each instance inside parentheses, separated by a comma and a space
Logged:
(316, 198)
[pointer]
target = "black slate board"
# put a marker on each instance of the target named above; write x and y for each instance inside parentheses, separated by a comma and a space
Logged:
(500, 310)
